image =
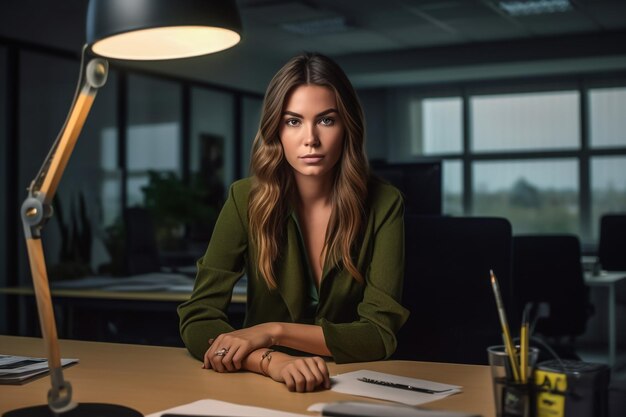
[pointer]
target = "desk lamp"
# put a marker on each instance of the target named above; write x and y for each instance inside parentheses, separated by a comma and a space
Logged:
(117, 29)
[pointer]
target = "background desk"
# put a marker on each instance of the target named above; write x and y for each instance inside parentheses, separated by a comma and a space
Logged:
(151, 379)
(116, 316)
(610, 281)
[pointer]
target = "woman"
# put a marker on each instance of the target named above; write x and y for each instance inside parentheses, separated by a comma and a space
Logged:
(321, 242)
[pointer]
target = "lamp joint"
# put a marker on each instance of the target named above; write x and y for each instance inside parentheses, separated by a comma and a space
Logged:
(35, 213)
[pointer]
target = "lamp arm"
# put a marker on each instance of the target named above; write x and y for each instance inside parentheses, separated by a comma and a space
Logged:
(37, 209)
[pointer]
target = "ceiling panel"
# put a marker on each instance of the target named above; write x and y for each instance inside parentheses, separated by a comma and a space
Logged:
(448, 10)
(387, 18)
(398, 27)
(423, 35)
(283, 11)
(488, 29)
(357, 41)
(609, 14)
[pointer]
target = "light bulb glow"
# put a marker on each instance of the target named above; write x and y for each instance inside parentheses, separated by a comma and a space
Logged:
(166, 43)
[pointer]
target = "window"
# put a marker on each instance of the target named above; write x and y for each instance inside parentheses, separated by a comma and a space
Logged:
(436, 126)
(522, 149)
(607, 117)
(453, 187)
(537, 196)
(522, 153)
(436, 129)
(608, 188)
(528, 121)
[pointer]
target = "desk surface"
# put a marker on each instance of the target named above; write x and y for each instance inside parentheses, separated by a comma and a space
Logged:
(604, 278)
(152, 379)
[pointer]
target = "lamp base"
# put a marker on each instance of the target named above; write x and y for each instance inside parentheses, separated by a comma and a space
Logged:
(82, 410)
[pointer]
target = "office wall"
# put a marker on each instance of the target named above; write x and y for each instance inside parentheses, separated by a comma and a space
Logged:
(377, 141)
(3, 185)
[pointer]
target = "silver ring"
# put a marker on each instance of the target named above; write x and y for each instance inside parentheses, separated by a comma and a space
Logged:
(221, 352)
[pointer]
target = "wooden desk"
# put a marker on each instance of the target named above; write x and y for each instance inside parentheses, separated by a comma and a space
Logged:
(610, 281)
(151, 379)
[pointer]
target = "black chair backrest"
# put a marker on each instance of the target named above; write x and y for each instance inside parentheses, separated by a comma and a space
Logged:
(142, 253)
(547, 268)
(612, 247)
(448, 289)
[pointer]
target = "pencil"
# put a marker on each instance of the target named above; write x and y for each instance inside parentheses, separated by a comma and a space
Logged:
(523, 361)
(524, 346)
(508, 343)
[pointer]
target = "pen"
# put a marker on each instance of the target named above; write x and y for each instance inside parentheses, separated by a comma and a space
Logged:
(508, 344)
(402, 386)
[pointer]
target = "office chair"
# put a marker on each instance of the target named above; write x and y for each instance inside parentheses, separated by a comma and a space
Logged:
(448, 290)
(142, 253)
(612, 245)
(547, 269)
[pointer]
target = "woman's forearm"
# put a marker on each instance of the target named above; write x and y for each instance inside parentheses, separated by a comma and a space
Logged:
(304, 337)
(252, 362)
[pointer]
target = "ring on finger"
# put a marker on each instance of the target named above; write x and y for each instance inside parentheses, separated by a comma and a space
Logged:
(221, 352)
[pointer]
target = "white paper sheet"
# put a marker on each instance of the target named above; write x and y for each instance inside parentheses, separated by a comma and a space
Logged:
(19, 369)
(225, 409)
(349, 384)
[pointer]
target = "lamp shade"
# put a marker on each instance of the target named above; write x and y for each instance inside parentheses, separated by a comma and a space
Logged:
(161, 29)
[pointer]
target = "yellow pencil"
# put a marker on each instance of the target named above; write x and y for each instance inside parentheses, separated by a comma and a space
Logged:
(508, 343)
(523, 361)
(524, 345)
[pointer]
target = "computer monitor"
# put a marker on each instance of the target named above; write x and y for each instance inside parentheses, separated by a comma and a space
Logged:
(420, 182)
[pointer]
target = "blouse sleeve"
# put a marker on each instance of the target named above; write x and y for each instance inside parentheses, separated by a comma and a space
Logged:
(204, 316)
(381, 314)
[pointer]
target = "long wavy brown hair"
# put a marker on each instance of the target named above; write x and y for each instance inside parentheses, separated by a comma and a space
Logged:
(273, 176)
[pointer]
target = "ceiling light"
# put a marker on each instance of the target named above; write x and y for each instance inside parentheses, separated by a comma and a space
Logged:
(534, 7)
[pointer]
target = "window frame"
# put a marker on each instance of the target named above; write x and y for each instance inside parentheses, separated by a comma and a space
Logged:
(583, 153)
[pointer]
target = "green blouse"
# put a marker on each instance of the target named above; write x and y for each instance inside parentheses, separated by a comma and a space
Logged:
(359, 321)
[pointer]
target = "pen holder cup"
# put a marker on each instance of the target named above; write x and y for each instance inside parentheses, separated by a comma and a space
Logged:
(512, 398)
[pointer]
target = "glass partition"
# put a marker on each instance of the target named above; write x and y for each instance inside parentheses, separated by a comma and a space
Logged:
(212, 135)
(153, 136)
(74, 239)
(212, 158)
(525, 121)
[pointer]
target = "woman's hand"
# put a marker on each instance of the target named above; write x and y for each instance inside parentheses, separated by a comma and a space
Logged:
(227, 352)
(301, 374)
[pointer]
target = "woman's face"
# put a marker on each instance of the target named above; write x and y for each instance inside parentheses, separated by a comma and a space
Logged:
(311, 131)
